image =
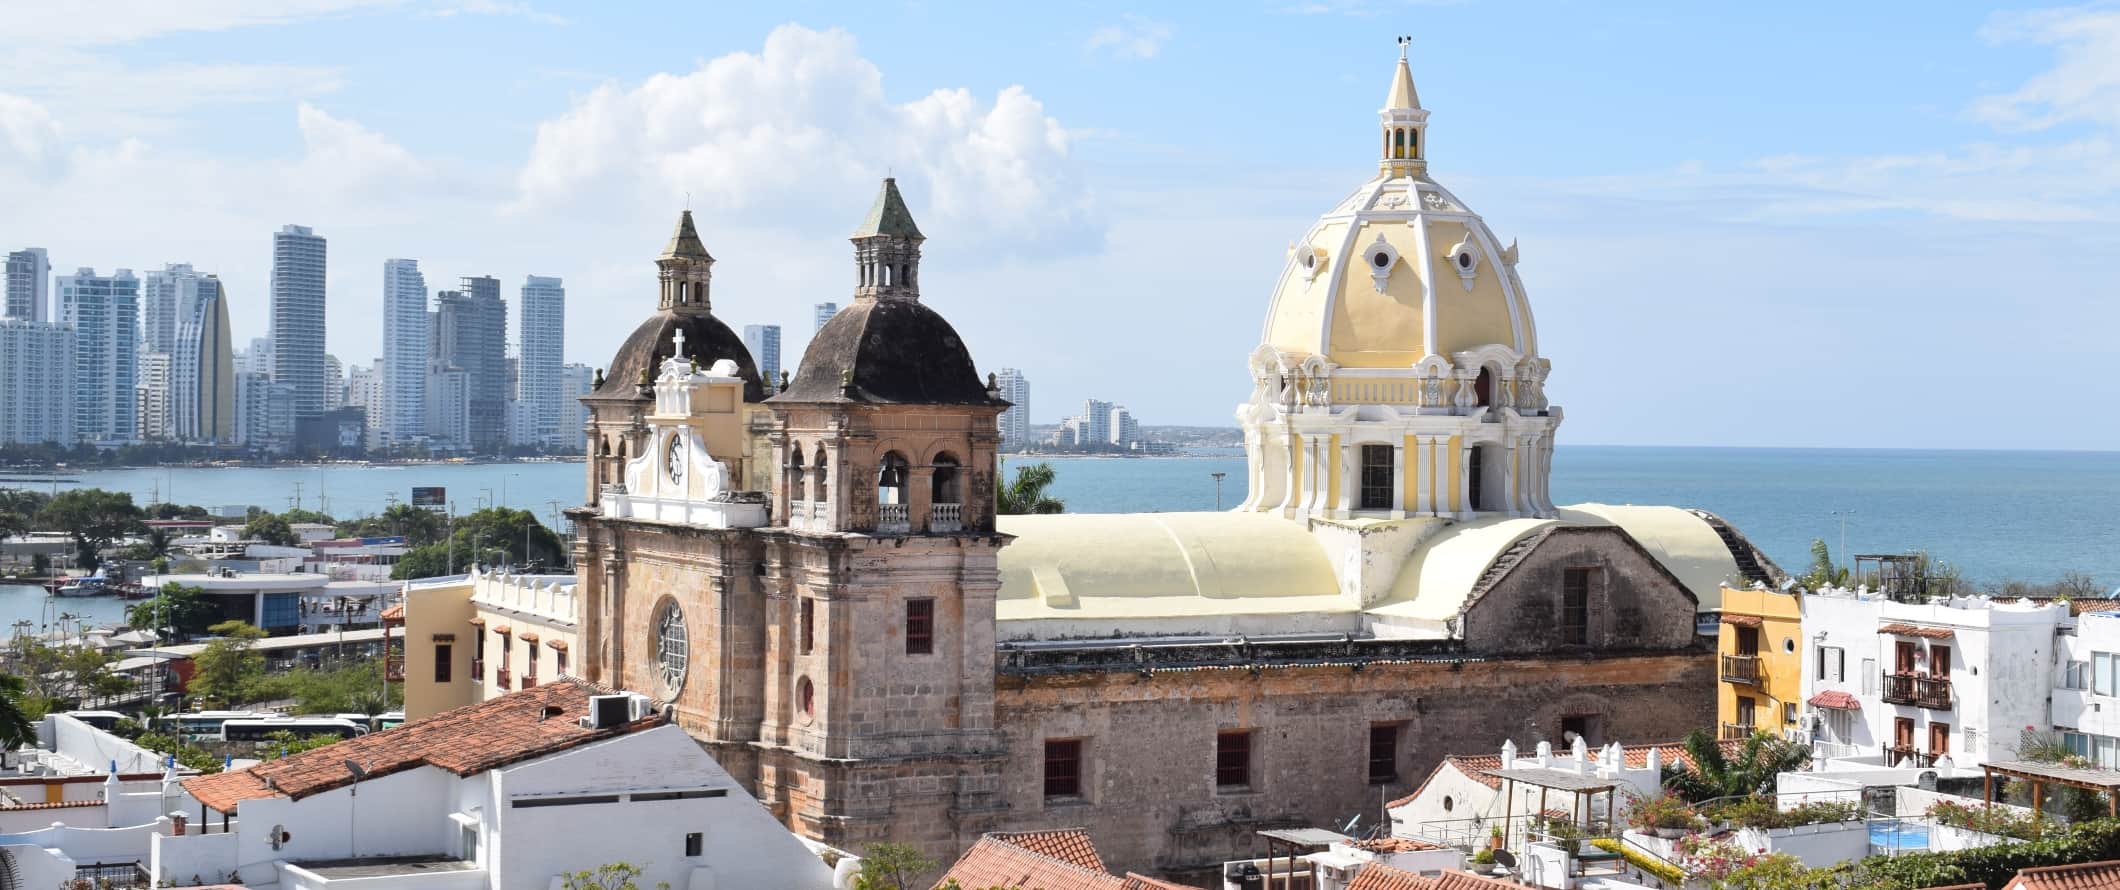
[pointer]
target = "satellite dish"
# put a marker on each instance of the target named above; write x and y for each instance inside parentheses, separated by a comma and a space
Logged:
(1505, 859)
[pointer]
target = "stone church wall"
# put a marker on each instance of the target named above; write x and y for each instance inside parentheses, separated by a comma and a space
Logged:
(1150, 795)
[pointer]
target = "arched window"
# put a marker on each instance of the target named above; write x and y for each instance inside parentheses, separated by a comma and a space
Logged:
(672, 651)
(819, 468)
(886, 275)
(1413, 143)
(890, 479)
(946, 481)
(1398, 143)
(1483, 388)
(796, 483)
(1475, 469)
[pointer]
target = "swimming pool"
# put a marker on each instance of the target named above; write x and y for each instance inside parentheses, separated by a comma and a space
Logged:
(1895, 836)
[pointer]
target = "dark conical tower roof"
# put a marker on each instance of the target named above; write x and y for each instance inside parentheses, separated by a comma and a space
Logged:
(889, 217)
(685, 243)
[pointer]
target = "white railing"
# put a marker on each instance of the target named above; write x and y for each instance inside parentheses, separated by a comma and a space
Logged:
(944, 518)
(893, 518)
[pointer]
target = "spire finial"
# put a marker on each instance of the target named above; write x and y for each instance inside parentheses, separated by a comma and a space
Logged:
(678, 340)
(1405, 40)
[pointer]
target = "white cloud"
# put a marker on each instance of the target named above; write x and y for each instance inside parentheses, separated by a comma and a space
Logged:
(1135, 38)
(2084, 84)
(795, 133)
(343, 156)
(496, 8)
(108, 22)
(27, 131)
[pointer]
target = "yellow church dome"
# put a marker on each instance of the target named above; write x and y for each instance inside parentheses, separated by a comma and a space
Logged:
(1402, 269)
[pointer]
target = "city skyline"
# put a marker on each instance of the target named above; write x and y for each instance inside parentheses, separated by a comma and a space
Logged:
(1719, 179)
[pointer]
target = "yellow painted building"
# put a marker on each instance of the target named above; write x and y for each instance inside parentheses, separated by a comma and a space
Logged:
(1759, 656)
(471, 638)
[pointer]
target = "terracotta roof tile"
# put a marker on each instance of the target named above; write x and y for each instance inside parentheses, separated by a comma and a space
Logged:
(469, 740)
(1070, 845)
(1378, 876)
(1834, 698)
(2081, 876)
(1934, 633)
(1742, 620)
(1461, 880)
(1394, 845)
(50, 805)
(394, 613)
(1028, 861)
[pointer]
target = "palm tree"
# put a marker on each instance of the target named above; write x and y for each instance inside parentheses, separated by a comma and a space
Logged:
(1751, 769)
(1026, 493)
(15, 727)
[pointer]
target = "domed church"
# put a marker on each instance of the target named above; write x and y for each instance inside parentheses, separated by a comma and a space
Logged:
(813, 576)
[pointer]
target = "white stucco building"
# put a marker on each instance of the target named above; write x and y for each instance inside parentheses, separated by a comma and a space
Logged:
(1947, 682)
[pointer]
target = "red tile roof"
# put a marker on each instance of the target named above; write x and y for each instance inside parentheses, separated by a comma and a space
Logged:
(1742, 620)
(394, 613)
(465, 741)
(1378, 876)
(1070, 845)
(1834, 698)
(1027, 860)
(1481, 767)
(50, 805)
(1460, 880)
(1934, 633)
(2081, 876)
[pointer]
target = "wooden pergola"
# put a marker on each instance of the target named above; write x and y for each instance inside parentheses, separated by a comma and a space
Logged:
(2102, 781)
(1549, 779)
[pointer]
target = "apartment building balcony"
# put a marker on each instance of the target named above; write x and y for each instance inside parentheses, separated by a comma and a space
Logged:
(1909, 755)
(894, 519)
(1737, 732)
(1909, 689)
(478, 668)
(504, 679)
(529, 681)
(1740, 669)
(945, 518)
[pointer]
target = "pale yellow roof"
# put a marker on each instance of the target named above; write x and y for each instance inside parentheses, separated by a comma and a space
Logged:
(1161, 565)
(1402, 94)
(1140, 572)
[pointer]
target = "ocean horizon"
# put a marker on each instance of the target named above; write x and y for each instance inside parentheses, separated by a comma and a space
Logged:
(1994, 514)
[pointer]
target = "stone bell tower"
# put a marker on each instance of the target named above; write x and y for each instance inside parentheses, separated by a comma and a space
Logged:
(881, 580)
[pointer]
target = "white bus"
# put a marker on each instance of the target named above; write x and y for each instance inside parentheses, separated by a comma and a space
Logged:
(262, 728)
(196, 725)
(103, 720)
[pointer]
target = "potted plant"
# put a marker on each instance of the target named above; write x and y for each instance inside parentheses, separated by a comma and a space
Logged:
(1494, 837)
(1665, 815)
(1482, 861)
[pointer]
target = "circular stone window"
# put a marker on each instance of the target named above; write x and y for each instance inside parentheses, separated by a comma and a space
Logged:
(1465, 260)
(671, 648)
(1448, 804)
(805, 699)
(1788, 644)
(1381, 259)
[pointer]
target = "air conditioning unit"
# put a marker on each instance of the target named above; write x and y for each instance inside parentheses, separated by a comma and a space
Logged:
(606, 711)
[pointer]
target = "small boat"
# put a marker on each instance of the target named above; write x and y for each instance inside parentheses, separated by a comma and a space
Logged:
(92, 585)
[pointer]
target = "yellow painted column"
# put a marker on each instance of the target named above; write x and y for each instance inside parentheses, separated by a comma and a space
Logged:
(1451, 449)
(1410, 465)
(1332, 472)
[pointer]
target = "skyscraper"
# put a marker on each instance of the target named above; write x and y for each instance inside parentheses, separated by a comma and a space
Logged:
(470, 342)
(334, 383)
(264, 412)
(105, 314)
(575, 380)
(541, 342)
(36, 382)
(403, 413)
(256, 358)
(1016, 421)
(298, 316)
(151, 398)
(25, 292)
(825, 311)
(167, 297)
(763, 342)
(202, 370)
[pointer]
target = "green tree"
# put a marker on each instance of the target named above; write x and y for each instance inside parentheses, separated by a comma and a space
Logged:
(889, 866)
(609, 876)
(1026, 492)
(94, 518)
(1749, 770)
(16, 729)
(181, 611)
(430, 561)
(270, 528)
(419, 525)
(1823, 573)
(169, 743)
(297, 514)
(228, 666)
(176, 511)
(500, 534)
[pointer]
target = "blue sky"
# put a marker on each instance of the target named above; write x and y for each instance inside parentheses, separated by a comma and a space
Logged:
(1818, 224)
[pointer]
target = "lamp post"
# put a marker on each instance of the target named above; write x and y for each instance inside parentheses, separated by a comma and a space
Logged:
(1218, 490)
(1844, 514)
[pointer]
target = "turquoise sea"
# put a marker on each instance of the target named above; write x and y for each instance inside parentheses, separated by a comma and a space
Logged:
(1995, 514)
